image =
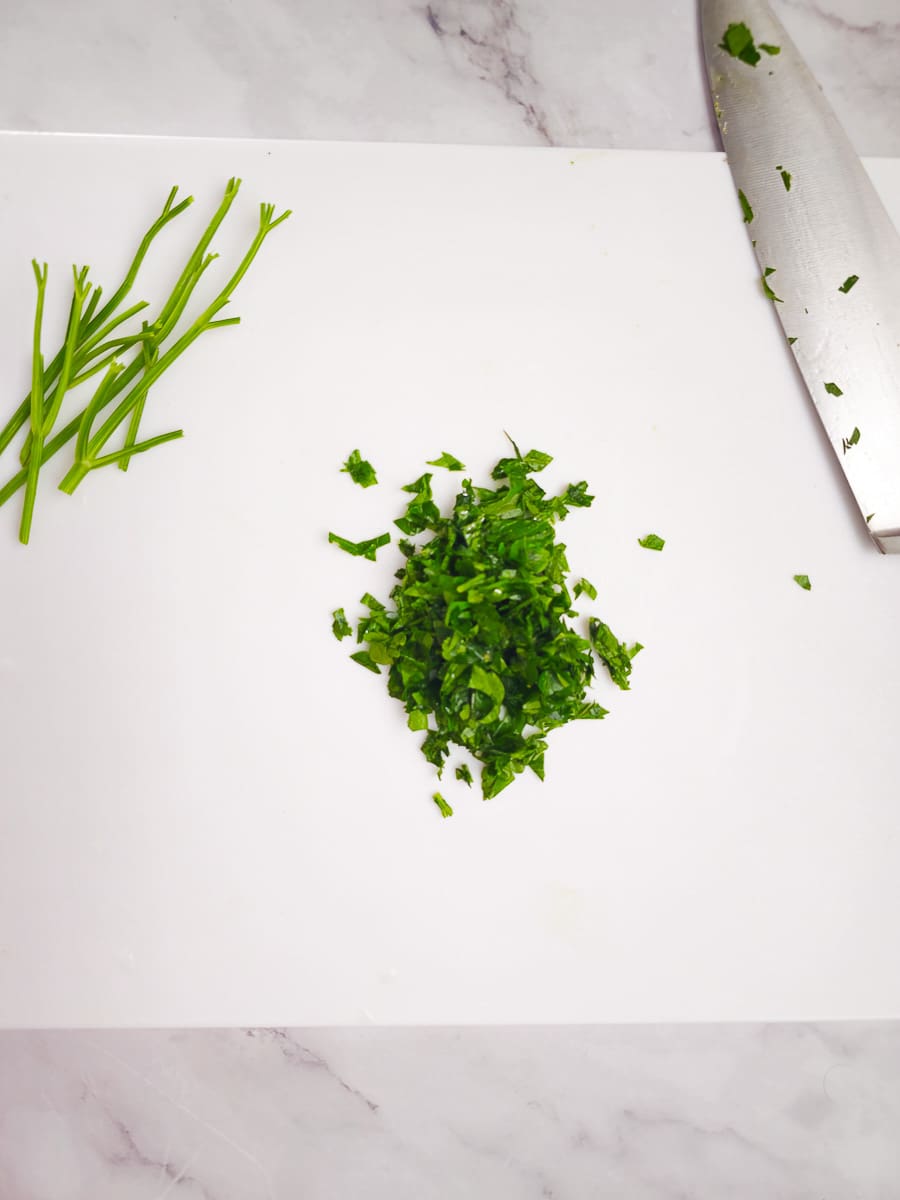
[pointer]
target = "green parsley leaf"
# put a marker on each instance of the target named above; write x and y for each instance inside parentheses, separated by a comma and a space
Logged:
(340, 626)
(769, 49)
(585, 586)
(614, 654)
(421, 512)
(446, 810)
(738, 42)
(791, 341)
(785, 178)
(803, 581)
(869, 517)
(745, 207)
(833, 390)
(365, 549)
(448, 462)
(417, 720)
(652, 542)
(359, 470)
(366, 660)
(767, 291)
(852, 440)
(464, 774)
(848, 283)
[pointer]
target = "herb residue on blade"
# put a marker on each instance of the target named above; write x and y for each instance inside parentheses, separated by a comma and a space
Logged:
(360, 470)
(738, 42)
(477, 638)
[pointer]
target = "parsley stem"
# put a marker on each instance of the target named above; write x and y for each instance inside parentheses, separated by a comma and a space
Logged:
(37, 404)
(93, 321)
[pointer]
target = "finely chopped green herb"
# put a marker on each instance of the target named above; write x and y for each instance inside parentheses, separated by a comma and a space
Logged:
(360, 470)
(738, 42)
(848, 283)
(477, 637)
(652, 542)
(803, 581)
(745, 207)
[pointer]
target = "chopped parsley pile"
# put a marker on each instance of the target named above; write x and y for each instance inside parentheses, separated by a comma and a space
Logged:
(477, 636)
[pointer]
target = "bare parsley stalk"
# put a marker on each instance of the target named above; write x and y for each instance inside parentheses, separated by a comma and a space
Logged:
(87, 455)
(89, 348)
(97, 325)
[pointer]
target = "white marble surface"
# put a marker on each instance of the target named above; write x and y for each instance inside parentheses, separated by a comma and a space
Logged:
(786, 1112)
(566, 72)
(744, 1112)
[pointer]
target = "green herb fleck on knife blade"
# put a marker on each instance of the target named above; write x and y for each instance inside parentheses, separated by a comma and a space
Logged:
(652, 542)
(803, 581)
(745, 207)
(848, 283)
(852, 440)
(767, 291)
(833, 390)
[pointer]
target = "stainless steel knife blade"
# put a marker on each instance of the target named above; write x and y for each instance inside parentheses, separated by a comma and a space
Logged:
(828, 252)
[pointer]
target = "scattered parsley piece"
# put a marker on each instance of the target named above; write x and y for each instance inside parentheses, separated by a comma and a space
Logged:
(852, 439)
(833, 390)
(652, 542)
(476, 637)
(421, 512)
(745, 207)
(340, 626)
(785, 178)
(791, 341)
(446, 810)
(584, 586)
(366, 660)
(769, 49)
(767, 291)
(613, 653)
(869, 517)
(848, 283)
(365, 549)
(803, 581)
(448, 462)
(738, 42)
(359, 470)
(464, 774)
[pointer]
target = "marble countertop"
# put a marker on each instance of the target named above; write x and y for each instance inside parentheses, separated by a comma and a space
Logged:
(649, 1113)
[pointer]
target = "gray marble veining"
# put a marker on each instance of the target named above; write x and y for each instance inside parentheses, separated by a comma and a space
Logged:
(797, 1112)
(495, 71)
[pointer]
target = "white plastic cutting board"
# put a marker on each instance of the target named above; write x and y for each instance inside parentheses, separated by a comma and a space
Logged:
(209, 815)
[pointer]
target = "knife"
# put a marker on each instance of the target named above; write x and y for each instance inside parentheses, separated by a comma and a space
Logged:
(828, 252)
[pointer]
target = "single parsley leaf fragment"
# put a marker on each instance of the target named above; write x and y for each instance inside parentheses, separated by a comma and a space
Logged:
(848, 283)
(366, 660)
(738, 42)
(869, 517)
(586, 587)
(340, 626)
(767, 291)
(745, 207)
(852, 440)
(803, 581)
(464, 775)
(833, 390)
(652, 542)
(614, 654)
(360, 470)
(785, 178)
(791, 341)
(366, 549)
(446, 810)
(448, 462)
(769, 49)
